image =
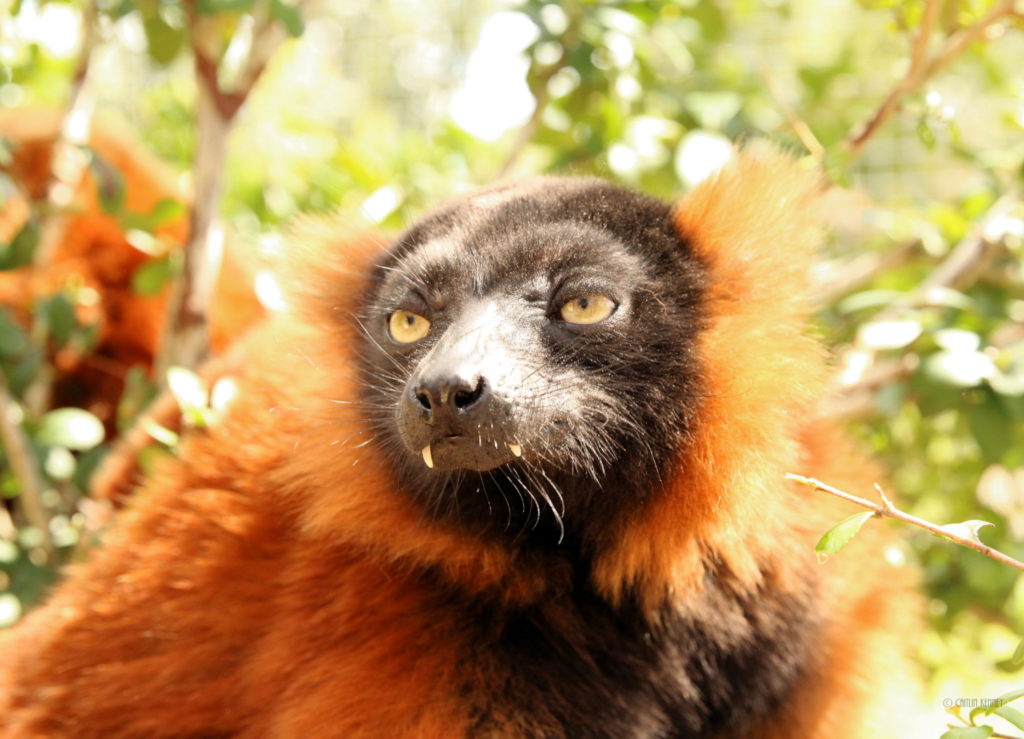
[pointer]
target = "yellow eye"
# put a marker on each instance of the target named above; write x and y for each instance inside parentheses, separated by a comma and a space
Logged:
(588, 309)
(407, 327)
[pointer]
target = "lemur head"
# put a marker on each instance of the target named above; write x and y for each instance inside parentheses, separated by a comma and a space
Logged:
(536, 339)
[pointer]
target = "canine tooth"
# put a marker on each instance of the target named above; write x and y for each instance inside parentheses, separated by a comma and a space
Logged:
(516, 449)
(427, 458)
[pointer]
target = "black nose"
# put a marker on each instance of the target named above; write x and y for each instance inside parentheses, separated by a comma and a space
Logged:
(451, 396)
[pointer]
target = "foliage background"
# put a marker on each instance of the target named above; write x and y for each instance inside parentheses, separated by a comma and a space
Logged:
(382, 108)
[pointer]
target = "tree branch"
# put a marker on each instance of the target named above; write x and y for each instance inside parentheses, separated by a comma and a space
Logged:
(186, 337)
(888, 510)
(922, 68)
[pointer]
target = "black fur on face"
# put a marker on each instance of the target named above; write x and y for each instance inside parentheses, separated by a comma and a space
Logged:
(502, 412)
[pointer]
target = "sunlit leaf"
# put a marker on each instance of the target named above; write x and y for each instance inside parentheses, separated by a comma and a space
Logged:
(10, 609)
(187, 388)
(1009, 697)
(1011, 714)
(72, 428)
(164, 42)
(840, 535)
(889, 334)
(164, 212)
(59, 463)
(957, 340)
(868, 299)
(967, 529)
(153, 276)
(960, 369)
(160, 433)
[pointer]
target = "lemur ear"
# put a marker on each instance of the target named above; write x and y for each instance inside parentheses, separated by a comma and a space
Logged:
(756, 224)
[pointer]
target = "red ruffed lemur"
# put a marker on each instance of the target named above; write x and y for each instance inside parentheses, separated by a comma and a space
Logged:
(518, 474)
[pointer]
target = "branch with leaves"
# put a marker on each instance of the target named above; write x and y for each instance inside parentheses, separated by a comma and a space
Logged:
(964, 533)
(923, 66)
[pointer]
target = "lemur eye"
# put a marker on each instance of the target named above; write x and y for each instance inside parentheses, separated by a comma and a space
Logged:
(406, 327)
(588, 309)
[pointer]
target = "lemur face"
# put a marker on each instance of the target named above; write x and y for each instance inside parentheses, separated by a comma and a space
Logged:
(542, 333)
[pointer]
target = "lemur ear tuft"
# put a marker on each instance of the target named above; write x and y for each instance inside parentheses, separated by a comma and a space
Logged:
(756, 224)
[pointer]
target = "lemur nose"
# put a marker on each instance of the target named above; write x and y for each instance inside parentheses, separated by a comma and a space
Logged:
(451, 396)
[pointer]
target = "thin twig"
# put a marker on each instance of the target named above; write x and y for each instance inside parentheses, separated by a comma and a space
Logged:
(23, 465)
(887, 510)
(799, 125)
(924, 33)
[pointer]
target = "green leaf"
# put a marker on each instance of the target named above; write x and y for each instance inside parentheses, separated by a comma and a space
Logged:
(117, 9)
(868, 299)
(208, 7)
(166, 211)
(18, 252)
(58, 315)
(840, 535)
(153, 276)
(25, 368)
(288, 16)
(968, 732)
(1018, 655)
(13, 341)
(109, 182)
(72, 428)
(162, 213)
(160, 433)
(1009, 697)
(1011, 714)
(992, 428)
(164, 42)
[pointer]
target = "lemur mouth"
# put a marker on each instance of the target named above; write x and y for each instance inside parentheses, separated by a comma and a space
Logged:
(459, 451)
